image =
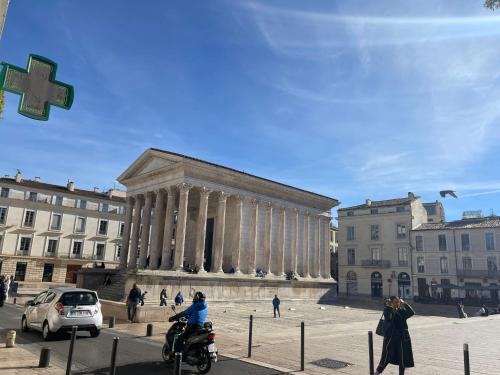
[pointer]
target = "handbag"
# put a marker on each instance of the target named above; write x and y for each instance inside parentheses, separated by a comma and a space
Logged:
(381, 326)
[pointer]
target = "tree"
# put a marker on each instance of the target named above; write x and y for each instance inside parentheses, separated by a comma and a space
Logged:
(2, 104)
(492, 4)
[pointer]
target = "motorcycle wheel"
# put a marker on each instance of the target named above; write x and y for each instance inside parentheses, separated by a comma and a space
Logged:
(167, 354)
(205, 363)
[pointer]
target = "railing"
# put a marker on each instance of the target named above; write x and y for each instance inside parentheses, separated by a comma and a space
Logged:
(76, 256)
(403, 263)
(98, 257)
(376, 263)
(478, 273)
(23, 252)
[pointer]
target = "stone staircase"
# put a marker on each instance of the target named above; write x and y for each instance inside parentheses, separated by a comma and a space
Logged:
(116, 290)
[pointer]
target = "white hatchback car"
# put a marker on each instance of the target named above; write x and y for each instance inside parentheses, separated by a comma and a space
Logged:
(59, 309)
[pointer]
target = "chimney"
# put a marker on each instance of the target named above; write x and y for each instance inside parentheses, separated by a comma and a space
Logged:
(96, 190)
(368, 202)
(71, 185)
(18, 176)
(37, 179)
(411, 195)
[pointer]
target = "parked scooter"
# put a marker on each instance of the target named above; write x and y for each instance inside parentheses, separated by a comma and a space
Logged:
(199, 351)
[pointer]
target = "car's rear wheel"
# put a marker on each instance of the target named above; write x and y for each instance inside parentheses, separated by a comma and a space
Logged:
(94, 332)
(24, 324)
(46, 334)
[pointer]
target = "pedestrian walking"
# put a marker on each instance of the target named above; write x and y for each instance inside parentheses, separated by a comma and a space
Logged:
(276, 306)
(7, 286)
(179, 299)
(396, 348)
(163, 297)
(3, 290)
(133, 300)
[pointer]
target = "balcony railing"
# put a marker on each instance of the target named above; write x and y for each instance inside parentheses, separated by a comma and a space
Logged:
(76, 256)
(403, 263)
(380, 263)
(98, 257)
(478, 273)
(23, 252)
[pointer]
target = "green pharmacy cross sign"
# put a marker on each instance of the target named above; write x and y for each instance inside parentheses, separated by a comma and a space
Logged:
(37, 87)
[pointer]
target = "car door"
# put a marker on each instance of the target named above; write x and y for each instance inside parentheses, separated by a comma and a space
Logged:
(33, 319)
(44, 307)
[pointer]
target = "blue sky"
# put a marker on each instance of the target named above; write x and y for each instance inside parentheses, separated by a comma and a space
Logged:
(349, 99)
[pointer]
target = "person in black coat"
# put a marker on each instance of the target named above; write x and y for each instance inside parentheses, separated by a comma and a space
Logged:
(396, 348)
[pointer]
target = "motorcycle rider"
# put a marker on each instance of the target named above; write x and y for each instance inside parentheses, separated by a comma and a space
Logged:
(196, 314)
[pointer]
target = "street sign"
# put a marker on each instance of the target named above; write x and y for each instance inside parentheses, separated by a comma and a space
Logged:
(37, 87)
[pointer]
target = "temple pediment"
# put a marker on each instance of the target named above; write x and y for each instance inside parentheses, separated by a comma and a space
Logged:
(148, 163)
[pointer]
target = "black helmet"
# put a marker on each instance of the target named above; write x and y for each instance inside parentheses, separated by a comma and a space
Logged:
(198, 297)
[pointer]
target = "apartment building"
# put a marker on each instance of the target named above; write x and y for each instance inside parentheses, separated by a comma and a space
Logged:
(374, 246)
(457, 259)
(48, 232)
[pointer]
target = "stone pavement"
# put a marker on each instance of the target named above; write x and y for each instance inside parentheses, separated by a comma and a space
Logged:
(19, 361)
(338, 333)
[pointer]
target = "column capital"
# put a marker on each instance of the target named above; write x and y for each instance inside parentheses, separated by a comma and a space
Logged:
(239, 198)
(254, 201)
(268, 205)
(130, 199)
(139, 198)
(295, 210)
(184, 187)
(205, 192)
(149, 194)
(222, 195)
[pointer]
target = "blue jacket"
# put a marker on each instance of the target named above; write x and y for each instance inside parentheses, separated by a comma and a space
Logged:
(276, 302)
(196, 313)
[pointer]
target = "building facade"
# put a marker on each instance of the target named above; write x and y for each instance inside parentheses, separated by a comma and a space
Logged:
(458, 259)
(374, 246)
(48, 232)
(208, 218)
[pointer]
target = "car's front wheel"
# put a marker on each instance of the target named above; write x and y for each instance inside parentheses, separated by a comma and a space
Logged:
(24, 324)
(46, 334)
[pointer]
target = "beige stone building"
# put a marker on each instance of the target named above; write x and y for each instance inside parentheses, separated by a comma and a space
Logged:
(457, 259)
(374, 246)
(48, 232)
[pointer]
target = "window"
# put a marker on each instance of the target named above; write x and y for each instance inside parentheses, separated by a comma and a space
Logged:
(400, 209)
(420, 264)
(4, 192)
(401, 231)
(77, 247)
(350, 233)
(419, 243)
(59, 200)
(99, 250)
(492, 263)
(56, 222)
(33, 196)
(376, 253)
(82, 204)
(103, 227)
(467, 263)
(443, 261)
(25, 244)
(350, 213)
(118, 252)
(351, 257)
(490, 241)
(51, 295)
(374, 232)
(3, 215)
(80, 225)
(431, 210)
(403, 256)
(78, 299)
(104, 207)
(374, 211)
(29, 218)
(442, 242)
(122, 228)
(465, 241)
(52, 247)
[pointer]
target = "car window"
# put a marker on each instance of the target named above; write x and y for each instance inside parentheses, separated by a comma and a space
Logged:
(50, 297)
(78, 299)
(40, 297)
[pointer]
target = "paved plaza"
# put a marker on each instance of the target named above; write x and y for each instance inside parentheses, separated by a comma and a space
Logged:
(339, 333)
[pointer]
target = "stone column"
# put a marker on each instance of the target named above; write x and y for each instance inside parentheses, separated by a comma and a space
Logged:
(220, 229)
(136, 227)
(252, 255)
(180, 235)
(157, 230)
(146, 229)
(238, 227)
(126, 234)
(281, 243)
(305, 264)
(327, 255)
(268, 239)
(317, 250)
(295, 242)
(201, 229)
(168, 229)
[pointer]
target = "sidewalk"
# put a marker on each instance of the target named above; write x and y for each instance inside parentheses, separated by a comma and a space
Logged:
(19, 361)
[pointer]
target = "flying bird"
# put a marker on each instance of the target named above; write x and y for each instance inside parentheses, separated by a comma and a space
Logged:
(444, 193)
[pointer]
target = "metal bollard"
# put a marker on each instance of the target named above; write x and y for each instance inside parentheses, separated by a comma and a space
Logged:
(112, 321)
(10, 339)
(15, 300)
(149, 330)
(370, 352)
(112, 367)
(44, 358)
(302, 346)
(250, 333)
(178, 364)
(466, 360)
(71, 347)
